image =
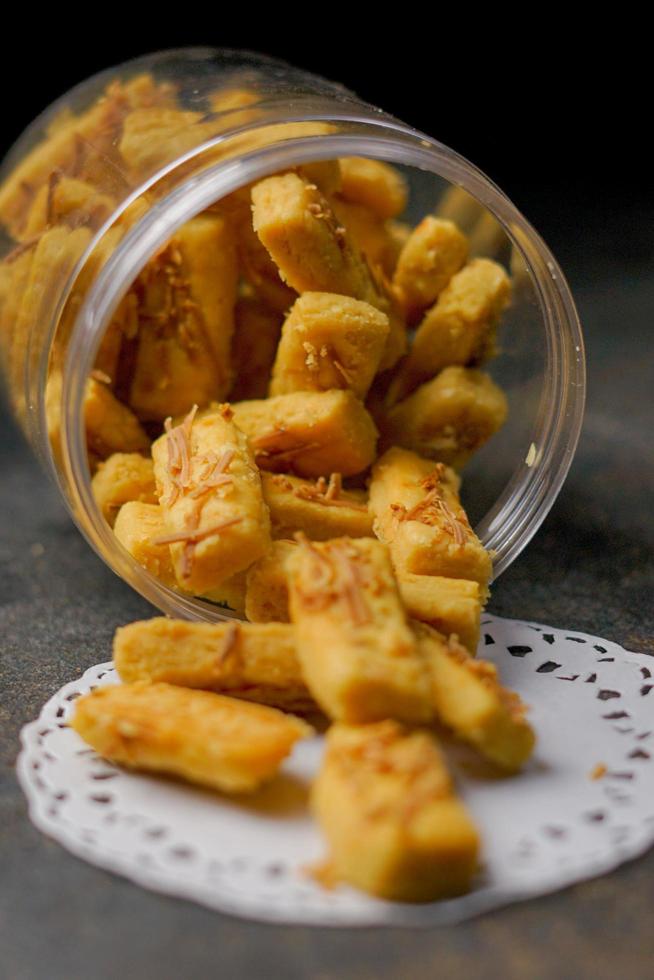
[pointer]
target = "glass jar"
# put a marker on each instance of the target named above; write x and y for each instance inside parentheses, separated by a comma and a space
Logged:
(162, 138)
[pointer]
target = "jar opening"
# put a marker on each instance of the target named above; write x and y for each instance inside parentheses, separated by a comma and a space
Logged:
(525, 499)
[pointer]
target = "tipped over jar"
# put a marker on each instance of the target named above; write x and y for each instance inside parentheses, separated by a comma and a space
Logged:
(205, 231)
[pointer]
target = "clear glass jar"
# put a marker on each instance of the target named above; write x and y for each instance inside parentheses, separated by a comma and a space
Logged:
(246, 117)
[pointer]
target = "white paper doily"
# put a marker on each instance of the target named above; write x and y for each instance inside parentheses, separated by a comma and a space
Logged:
(547, 827)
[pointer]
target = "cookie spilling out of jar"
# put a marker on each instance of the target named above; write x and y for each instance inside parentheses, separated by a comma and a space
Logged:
(276, 423)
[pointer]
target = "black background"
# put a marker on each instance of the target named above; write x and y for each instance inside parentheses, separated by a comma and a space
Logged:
(554, 116)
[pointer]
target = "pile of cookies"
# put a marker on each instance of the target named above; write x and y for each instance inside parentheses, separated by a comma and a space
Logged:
(222, 705)
(317, 388)
(275, 423)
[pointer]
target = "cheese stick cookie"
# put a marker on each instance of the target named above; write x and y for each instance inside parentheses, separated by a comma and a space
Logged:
(450, 605)
(53, 258)
(386, 805)
(111, 427)
(459, 328)
(256, 266)
(434, 251)
(459, 206)
(298, 228)
(121, 478)
(417, 513)
(210, 494)
(329, 341)
(469, 699)
(357, 653)
(314, 252)
(322, 509)
(15, 272)
(140, 527)
(253, 661)
(185, 300)
(226, 744)
(230, 594)
(309, 432)
(447, 419)
(376, 238)
(376, 185)
(230, 98)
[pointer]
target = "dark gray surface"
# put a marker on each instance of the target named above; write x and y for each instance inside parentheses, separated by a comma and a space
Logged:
(590, 568)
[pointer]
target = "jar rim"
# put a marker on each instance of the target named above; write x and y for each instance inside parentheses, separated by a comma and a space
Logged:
(529, 494)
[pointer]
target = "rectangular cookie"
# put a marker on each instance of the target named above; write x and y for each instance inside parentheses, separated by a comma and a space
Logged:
(312, 433)
(417, 513)
(357, 653)
(450, 605)
(459, 328)
(121, 478)
(449, 418)
(469, 699)
(185, 305)
(298, 228)
(67, 200)
(329, 341)
(111, 427)
(221, 742)
(53, 259)
(434, 252)
(322, 509)
(314, 252)
(254, 661)
(379, 240)
(394, 826)
(374, 184)
(140, 527)
(210, 493)
(256, 267)
(15, 273)
(153, 136)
